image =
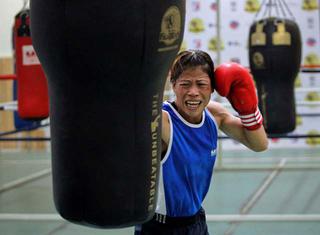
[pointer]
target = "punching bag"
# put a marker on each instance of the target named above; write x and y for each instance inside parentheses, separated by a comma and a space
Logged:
(20, 123)
(106, 63)
(275, 55)
(21, 28)
(32, 89)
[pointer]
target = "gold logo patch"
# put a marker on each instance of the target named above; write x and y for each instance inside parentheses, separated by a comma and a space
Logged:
(170, 28)
(258, 60)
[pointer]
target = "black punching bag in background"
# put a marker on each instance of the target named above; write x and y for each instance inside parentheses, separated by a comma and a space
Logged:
(106, 63)
(275, 55)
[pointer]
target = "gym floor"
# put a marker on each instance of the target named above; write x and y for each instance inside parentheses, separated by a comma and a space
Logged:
(275, 183)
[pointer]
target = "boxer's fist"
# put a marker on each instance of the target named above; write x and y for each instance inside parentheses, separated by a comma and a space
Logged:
(235, 82)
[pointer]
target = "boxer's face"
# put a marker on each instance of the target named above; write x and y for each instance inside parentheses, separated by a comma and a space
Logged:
(193, 91)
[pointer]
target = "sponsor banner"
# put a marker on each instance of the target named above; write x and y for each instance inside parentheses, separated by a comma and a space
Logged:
(235, 19)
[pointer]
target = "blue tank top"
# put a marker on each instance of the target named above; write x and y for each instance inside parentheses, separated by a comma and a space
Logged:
(186, 169)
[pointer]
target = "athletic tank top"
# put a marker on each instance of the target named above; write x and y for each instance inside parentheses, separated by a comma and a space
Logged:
(186, 169)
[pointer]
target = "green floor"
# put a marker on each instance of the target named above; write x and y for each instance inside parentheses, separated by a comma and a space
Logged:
(291, 191)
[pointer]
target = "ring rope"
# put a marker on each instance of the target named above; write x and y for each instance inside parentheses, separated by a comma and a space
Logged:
(210, 217)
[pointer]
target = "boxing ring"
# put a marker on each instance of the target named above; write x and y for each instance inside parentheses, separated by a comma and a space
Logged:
(275, 191)
(251, 193)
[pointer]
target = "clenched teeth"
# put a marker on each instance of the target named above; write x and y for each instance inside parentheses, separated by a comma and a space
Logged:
(193, 102)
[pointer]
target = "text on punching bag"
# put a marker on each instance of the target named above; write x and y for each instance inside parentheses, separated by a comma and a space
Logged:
(154, 150)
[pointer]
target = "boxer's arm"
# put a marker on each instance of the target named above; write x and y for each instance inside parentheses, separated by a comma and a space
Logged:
(232, 126)
(165, 132)
(235, 82)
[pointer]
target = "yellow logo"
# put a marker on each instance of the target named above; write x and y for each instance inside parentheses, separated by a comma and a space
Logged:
(170, 26)
(258, 60)
(313, 141)
(196, 25)
(214, 44)
(298, 120)
(310, 5)
(311, 59)
(312, 96)
(252, 6)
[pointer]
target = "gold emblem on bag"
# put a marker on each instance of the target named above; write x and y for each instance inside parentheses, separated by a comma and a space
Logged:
(258, 60)
(281, 37)
(170, 28)
(258, 38)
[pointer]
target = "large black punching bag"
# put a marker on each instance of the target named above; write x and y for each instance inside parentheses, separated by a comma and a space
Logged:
(275, 55)
(106, 63)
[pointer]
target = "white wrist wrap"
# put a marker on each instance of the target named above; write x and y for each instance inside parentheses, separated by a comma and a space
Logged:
(252, 121)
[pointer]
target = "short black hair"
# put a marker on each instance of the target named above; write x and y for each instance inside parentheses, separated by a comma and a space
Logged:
(191, 59)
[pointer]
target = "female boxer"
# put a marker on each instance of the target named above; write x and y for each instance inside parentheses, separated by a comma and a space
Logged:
(189, 138)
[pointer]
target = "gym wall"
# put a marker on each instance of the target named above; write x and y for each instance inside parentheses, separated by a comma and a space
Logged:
(202, 30)
(234, 21)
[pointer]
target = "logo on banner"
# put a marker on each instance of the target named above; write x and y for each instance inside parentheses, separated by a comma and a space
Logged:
(233, 6)
(311, 42)
(234, 24)
(196, 25)
(214, 44)
(235, 60)
(234, 43)
(214, 6)
(29, 56)
(313, 141)
(252, 6)
(311, 59)
(212, 25)
(197, 43)
(195, 6)
(310, 5)
(310, 22)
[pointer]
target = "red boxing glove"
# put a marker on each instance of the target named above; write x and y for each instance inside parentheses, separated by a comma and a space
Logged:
(235, 82)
